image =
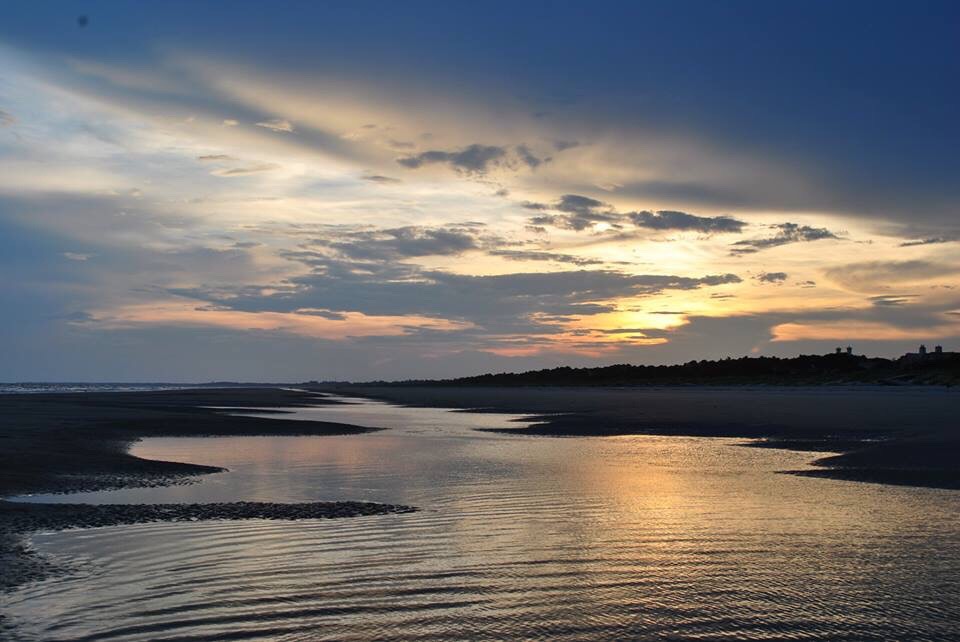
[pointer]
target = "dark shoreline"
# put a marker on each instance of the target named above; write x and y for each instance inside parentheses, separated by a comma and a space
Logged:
(906, 436)
(71, 442)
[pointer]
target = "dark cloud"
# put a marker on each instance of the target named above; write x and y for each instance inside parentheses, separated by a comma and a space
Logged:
(214, 157)
(474, 159)
(400, 144)
(534, 255)
(383, 180)
(246, 171)
(6, 118)
(582, 212)
(579, 213)
(932, 240)
(326, 314)
(771, 277)
(527, 157)
(623, 331)
(892, 300)
(786, 233)
(503, 304)
(532, 205)
(563, 145)
(583, 205)
(477, 159)
(681, 221)
(401, 242)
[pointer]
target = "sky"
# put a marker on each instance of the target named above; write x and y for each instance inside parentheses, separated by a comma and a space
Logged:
(286, 191)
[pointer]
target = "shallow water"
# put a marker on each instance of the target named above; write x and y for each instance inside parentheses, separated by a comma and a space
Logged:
(519, 538)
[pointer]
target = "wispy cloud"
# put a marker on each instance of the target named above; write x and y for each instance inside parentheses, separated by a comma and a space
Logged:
(535, 255)
(931, 240)
(379, 178)
(78, 256)
(246, 171)
(276, 125)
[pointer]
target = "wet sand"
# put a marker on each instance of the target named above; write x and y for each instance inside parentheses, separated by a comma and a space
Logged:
(906, 435)
(58, 443)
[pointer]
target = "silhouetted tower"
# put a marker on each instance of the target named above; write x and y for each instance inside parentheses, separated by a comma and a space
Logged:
(938, 349)
(849, 349)
(923, 350)
(839, 350)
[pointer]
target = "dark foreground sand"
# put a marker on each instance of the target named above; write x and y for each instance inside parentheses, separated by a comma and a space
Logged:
(906, 435)
(55, 443)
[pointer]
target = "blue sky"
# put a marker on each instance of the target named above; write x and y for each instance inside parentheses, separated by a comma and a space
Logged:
(289, 190)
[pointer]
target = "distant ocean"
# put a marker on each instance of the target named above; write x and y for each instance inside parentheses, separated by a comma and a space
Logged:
(36, 388)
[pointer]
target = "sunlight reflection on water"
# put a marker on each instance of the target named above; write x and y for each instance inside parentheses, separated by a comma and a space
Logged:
(519, 537)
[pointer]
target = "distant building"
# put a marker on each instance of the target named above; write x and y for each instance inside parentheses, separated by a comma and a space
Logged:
(922, 355)
(849, 349)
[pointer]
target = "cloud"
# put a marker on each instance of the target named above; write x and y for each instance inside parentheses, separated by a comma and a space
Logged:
(534, 255)
(681, 221)
(276, 125)
(892, 300)
(400, 242)
(383, 180)
(880, 275)
(214, 157)
(771, 277)
(229, 122)
(502, 306)
(246, 171)
(563, 145)
(579, 213)
(932, 240)
(6, 119)
(473, 159)
(527, 157)
(77, 256)
(786, 233)
(582, 212)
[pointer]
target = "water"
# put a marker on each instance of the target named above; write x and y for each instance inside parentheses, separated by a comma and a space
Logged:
(46, 387)
(519, 538)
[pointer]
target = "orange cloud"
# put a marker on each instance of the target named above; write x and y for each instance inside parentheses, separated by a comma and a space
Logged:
(860, 330)
(304, 322)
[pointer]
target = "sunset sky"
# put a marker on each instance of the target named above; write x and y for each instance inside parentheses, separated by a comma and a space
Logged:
(288, 191)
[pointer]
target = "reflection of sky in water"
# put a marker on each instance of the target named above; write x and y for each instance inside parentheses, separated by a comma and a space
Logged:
(557, 538)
